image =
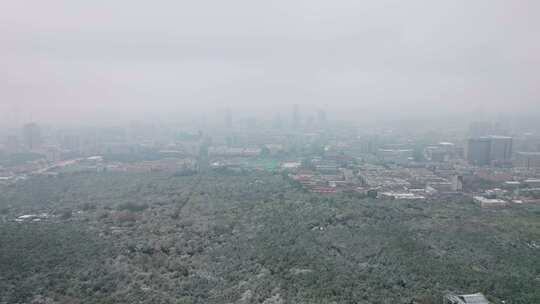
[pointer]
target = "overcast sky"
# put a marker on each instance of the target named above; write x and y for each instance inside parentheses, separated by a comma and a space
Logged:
(93, 61)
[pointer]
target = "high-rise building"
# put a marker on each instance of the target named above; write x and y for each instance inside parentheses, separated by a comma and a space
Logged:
(457, 183)
(501, 148)
(12, 144)
(278, 123)
(296, 116)
(441, 152)
(478, 151)
(32, 136)
(251, 123)
(488, 150)
(321, 118)
(70, 142)
(228, 118)
(203, 160)
(369, 144)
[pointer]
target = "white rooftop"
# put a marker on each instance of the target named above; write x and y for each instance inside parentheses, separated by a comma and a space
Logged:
(476, 298)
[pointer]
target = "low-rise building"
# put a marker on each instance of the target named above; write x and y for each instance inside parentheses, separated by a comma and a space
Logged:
(400, 196)
(490, 202)
(476, 298)
(534, 183)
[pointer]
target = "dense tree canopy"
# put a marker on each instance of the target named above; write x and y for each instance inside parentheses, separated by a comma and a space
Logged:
(253, 238)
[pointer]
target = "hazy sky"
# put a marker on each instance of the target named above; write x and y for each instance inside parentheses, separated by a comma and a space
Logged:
(96, 60)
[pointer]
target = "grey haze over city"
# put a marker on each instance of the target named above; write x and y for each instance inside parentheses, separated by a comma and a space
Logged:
(270, 152)
(114, 61)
